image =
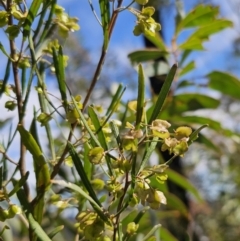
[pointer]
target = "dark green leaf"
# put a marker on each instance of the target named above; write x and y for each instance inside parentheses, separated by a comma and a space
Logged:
(157, 41)
(55, 231)
(30, 17)
(175, 203)
(163, 93)
(60, 73)
(165, 235)
(192, 101)
(80, 169)
(101, 136)
(225, 83)
(183, 182)
(141, 96)
(105, 16)
(145, 55)
(19, 184)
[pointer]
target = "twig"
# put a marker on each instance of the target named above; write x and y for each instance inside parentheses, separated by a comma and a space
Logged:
(102, 57)
(19, 103)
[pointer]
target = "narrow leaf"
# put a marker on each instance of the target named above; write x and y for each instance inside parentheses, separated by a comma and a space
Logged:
(157, 41)
(77, 189)
(60, 73)
(55, 231)
(183, 182)
(101, 137)
(201, 15)
(105, 16)
(146, 55)
(18, 184)
(163, 93)
(141, 96)
(189, 67)
(80, 169)
(32, 12)
(225, 83)
(35, 226)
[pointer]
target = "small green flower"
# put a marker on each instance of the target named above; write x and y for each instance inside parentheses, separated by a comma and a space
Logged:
(145, 23)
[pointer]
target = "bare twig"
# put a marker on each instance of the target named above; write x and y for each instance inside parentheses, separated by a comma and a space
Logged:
(19, 102)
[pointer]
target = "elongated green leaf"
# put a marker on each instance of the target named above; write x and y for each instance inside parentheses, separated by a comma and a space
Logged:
(177, 204)
(77, 189)
(145, 55)
(183, 182)
(215, 125)
(192, 44)
(55, 231)
(151, 232)
(192, 101)
(194, 135)
(1, 176)
(80, 169)
(105, 16)
(211, 28)
(141, 96)
(201, 15)
(184, 56)
(157, 41)
(163, 93)
(29, 142)
(5, 52)
(115, 100)
(60, 73)
(148, 152)
(225, 83)
(208, 143)
(165, 235)
(189, 67)
(47, 24)
(101, 136)
(19, 184)
(32, 12)
(34, 225)
(114, 103)
(41, 171)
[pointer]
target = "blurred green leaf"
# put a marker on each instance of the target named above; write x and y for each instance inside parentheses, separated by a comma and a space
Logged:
(141, 96)
(58, 62)
(80, 169)
(173, 202)
(165, 235)
(192, 101)
(163, 93)
(183, 182)
(192, 44)
(32, 13)
(76, 188)
(55, 231)
(212, 28)
(105, 16)
(157, 41)
(101, 137)
(189, 67)
(225, 83)
(18, 184)
(145, 55)
(201, 15)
